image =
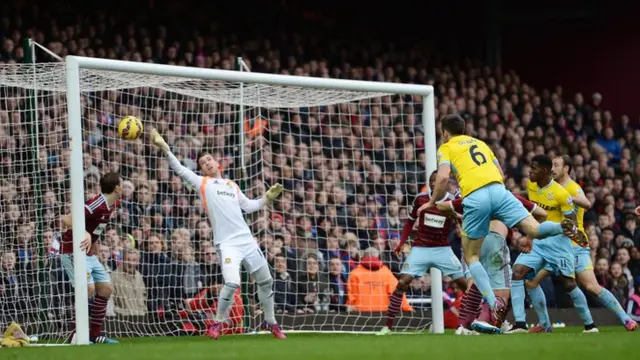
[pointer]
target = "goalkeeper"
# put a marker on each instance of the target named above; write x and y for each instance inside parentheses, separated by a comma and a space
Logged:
(224, 203)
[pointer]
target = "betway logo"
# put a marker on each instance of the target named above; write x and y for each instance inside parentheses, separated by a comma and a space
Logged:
(434, 221)
(226, 193)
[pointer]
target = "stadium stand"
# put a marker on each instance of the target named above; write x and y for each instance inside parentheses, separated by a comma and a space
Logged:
(517, 120)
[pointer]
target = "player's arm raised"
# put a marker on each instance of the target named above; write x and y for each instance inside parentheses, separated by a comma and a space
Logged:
(451, 208)
(442, 177)
(251, 205)
(186, 174)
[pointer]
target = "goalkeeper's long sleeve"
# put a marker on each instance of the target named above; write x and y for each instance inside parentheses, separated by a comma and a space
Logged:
(187, 175)
(250, 205)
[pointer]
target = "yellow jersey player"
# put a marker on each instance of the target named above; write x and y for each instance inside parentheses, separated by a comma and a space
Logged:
(554, 251)
(561, 169)
(485, 197)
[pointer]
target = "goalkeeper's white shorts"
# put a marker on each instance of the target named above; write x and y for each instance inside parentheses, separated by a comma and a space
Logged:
(231, 256)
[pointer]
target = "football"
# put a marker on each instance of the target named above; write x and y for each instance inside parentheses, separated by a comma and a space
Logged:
(130, 128)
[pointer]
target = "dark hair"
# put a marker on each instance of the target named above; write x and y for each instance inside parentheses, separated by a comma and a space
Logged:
(201, 154)
(454, 124)
(109, 182)
(542, 160)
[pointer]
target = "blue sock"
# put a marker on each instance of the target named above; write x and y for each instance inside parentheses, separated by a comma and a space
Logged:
(580, 303)
(611, 303)
(539, 301)
(482, 282)
(517, 300)
(549, 228)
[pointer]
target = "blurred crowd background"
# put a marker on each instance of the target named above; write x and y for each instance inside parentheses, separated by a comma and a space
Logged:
(350, 170)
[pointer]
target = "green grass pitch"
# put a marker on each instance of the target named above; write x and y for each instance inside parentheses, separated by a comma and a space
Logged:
(565, 344)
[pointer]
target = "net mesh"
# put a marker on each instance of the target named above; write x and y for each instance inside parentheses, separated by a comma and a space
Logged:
(350, 163)
(52, 77)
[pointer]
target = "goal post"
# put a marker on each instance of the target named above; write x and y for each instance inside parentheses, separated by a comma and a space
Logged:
(74, 64)
(76, 173)
(362, 148)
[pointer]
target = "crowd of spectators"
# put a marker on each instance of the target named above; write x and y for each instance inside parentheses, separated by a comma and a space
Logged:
(350, 170)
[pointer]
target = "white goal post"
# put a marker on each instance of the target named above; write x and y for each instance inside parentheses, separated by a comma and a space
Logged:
(250, 96)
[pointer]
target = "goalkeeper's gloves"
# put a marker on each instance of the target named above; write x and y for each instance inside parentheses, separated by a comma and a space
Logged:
(273, 192)
(14, 337)
(158, 141)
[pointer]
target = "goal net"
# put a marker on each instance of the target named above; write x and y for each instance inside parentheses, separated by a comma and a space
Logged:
(350, 162)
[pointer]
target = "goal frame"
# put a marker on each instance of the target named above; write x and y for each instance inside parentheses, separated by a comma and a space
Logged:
(73, 92)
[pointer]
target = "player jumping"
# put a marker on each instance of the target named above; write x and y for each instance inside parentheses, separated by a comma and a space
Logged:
(496, 260)
(224, 203)
(430, 248)
(553, 251)
(97, 211)
(485, 198)
(584, 268)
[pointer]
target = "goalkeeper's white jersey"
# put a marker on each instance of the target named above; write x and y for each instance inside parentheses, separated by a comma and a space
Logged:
(224, 203)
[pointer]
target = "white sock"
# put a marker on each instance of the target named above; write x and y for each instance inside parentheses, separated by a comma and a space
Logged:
(265, 293)
(225, 300)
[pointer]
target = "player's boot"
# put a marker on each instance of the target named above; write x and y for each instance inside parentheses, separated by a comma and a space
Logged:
(275, 330)
(569, 227)
(590, 329)
(486, 322)
(539, 329)
(485, 328)
(215, 330)
(384, 331)
(103, 340)
(631, 325)
(518, 328)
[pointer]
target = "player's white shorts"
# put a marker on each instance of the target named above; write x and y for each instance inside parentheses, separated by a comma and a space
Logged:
(96, 273)
(233, 255)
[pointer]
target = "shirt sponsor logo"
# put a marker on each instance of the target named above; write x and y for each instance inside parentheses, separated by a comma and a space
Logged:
(546, 207)
(225, 193)
(434, 221)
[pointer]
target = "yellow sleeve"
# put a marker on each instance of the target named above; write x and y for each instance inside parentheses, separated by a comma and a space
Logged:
(571, 190)
(443, 155)
(566, 204)
(575, 190)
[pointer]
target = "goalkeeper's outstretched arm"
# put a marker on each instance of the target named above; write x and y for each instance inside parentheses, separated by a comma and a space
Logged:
(186, 174)
(248, 205)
